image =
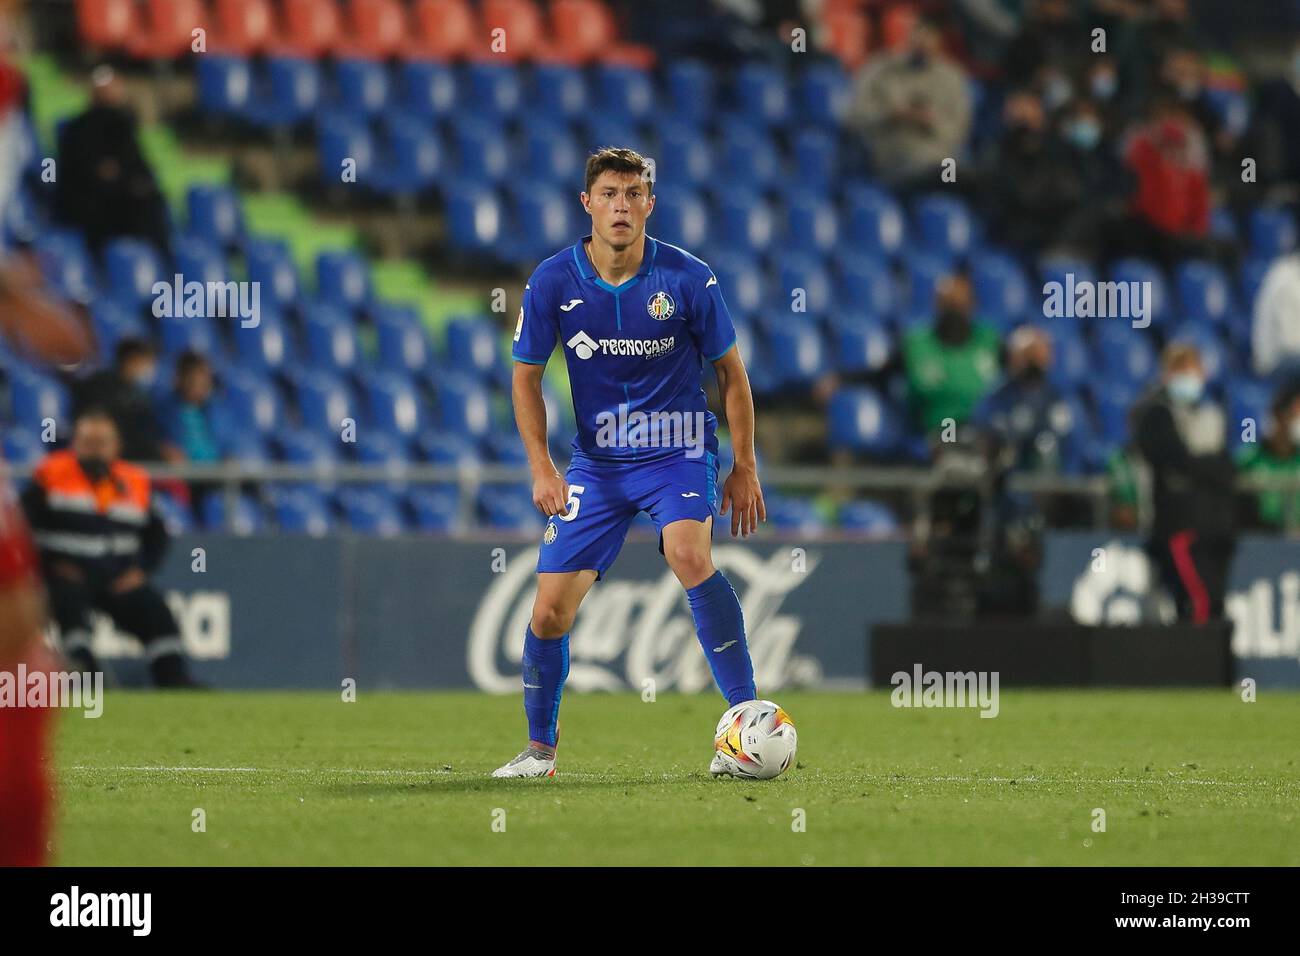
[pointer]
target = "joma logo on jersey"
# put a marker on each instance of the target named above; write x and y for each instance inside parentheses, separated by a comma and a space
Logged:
(585, 346)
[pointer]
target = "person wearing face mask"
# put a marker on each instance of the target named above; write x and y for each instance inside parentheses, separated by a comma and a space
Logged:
(126, 391)
(99, 539)
(1181, 439)
(105, 186)
(1277, 454)
(952, 364)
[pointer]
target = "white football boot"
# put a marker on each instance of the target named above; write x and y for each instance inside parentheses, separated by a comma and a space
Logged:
(530, 763)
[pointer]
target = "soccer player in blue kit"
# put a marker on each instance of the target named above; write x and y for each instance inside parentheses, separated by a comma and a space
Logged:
(637, 319)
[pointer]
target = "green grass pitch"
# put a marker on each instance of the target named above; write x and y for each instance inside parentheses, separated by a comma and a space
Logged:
(401, 778)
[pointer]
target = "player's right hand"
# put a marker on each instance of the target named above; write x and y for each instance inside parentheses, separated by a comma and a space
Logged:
(551, 494)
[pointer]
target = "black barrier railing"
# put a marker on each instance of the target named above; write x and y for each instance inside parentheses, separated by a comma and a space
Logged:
(918, 485)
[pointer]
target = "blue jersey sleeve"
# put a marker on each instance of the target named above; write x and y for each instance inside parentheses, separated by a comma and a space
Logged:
(537, 327)
(709, 321)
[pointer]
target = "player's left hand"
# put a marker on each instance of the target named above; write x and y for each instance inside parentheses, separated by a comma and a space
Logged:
(742, 493)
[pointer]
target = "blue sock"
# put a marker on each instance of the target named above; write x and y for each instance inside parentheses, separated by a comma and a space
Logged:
(546, 665)
(720, 626)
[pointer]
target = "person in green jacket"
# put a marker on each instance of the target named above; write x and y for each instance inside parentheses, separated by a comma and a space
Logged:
(1277, 454)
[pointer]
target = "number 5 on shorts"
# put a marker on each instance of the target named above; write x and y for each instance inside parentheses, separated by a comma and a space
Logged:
(572, 506)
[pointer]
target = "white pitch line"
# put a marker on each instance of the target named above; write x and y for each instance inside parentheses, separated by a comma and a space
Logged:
(580, 775)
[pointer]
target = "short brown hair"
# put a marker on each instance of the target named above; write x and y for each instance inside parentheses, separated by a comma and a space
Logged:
(618, 159)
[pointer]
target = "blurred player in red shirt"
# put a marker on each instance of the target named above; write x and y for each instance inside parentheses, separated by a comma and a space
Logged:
(37, 326)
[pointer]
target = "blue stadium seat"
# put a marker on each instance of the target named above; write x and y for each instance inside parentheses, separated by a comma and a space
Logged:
(1272, 231)
(873, 220)
(403, 343)
(691, 91)
(475, 219)
(265, 347)
(225, 84)
(473, 345)
(194, 332)
(132, 267)
(361, 86)
(442, 448)
(1209, 341)
(803, 280)
(505, 448)
(244, 519)
(383, 450)
(798, 354)
(1252, 275)
(271, 266)
(741, 281)
(761, 94)
(681, 218)
(541, 217)
(293, 92)
(1223, 224)
(302, 447)
(685, 159)
(434, 509)
(251, 398)
(1071, 361)
(463, 406)
(816, 160)
(945, 225)
(66, 265)
(494, 90)
(744, 222)
(811, 223)
(865, 284)
(428, 89)
(22, 446)
(330, 337)
(925, 272)
(176, 518)
(1059, 268)
(343, 278)
(793, 514)
(111, 322)
(749, 155)
(324, 401)
(412, 157)
(345, 144)
(625, 91)
(559, 90)
(371, 511)
(860, 420)
(862, 344)
(551, 153)
(509, 508)
(1249, 399)
(1145, 271)
(214, 214)
(1204, 294)
(1125, 353)
(393, 403)
(1001, 289)
(1113, 403)
(199, 260)
(823, 94)
(302, 511)
(869, 518)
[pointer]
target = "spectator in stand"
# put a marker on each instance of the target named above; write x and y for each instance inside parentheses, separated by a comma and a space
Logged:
(1278, 454)
(1029, 188)
(912, 110)
(1169, 158)
(191, 420)
(1276, 335)
(126, 392)
(952, 364)
(1182, 440)
(105, 186)
(1276, 134)
(1100, 183)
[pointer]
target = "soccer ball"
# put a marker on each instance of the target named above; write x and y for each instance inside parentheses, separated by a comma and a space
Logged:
(755, 740)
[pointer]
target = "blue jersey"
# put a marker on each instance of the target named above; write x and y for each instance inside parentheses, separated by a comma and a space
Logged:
(634, 351)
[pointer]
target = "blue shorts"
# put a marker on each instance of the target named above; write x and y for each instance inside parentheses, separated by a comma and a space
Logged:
(608, 496)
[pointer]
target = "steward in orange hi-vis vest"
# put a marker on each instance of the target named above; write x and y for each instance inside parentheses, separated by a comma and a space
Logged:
(99, 540)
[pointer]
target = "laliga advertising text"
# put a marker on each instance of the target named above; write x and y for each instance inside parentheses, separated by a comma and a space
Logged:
(78, 909)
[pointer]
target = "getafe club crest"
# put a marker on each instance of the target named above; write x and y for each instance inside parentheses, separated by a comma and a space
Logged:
(550, 533)
(661, 306)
